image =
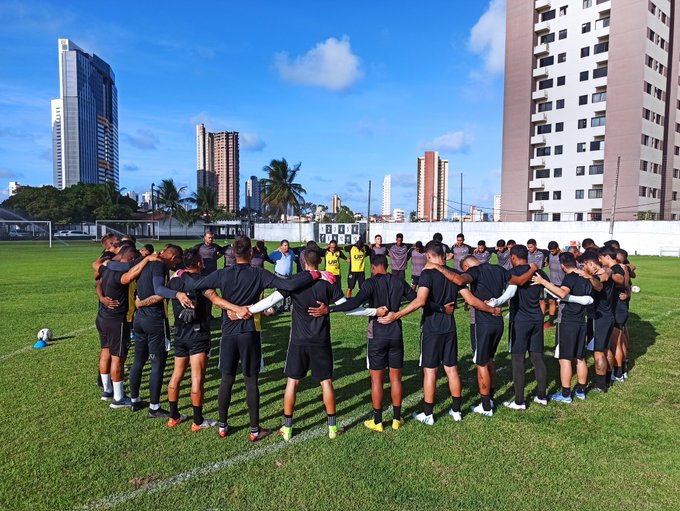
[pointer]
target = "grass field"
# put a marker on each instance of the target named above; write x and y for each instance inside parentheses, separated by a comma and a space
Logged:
(63, 448)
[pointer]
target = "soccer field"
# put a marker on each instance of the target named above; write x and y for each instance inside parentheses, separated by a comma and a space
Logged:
(63, 448)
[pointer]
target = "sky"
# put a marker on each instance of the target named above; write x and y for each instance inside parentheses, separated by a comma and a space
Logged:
(352, 91)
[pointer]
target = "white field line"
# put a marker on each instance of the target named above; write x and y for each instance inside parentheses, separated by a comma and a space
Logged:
(167, 484)
(30, 347)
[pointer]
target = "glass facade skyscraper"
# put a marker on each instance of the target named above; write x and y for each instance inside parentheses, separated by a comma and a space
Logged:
(84, 120)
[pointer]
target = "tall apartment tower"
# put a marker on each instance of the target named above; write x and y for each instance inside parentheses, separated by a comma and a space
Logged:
(589, 82)
(217, 165)
(433, 187)
(387, 196)
(336, 204)
(253, 195)
(84, 120)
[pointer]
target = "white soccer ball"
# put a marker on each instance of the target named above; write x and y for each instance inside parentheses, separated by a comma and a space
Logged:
(45, 335)
(635, 289)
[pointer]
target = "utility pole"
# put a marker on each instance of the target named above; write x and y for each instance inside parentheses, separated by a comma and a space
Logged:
(461, 202)
(616, 189)
(368, 220)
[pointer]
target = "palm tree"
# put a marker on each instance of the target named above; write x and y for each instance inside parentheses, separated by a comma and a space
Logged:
(205, 200)
(169, 198)
(280, 189)
(187, 217)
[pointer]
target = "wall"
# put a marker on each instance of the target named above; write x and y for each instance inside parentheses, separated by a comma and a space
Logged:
(643, 238)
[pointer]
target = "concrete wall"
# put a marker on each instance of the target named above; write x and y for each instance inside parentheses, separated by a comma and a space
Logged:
(638, 237)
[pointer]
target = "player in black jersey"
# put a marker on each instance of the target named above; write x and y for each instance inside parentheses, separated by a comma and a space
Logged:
(607, 255)
(621, 314)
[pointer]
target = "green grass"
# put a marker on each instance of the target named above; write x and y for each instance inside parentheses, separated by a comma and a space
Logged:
(62, 448)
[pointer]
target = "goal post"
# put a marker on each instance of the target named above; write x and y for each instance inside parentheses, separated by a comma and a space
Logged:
(140, 229)
(26, 230)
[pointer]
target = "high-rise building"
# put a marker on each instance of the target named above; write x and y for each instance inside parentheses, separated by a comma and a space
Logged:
(496, 215)
(433, 187)
(336, 204)
(253, 195)
(387, 196)
(13, 187)
(84, 120)
(398, 215)
(591, 110)
(217, 165)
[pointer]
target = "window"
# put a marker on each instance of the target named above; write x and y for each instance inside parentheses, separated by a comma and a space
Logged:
(559, 126)
(547, 16)
(557, 173)
(548, 38)
(579, 194)
(643, 191)
(677, 127)
(598, 121)
(542, 173)
(650, 34)
(595, 193)
(599, 97)
(562, 34)
(585, 51)
(596, 217)
(644, 140)
(543, 151)
(541, 217)
(594, 170)
(583, 76)
(587, 3)
(542, 195)
(563, 10)
(601, 47)
(544, 128)
(579, 217)
(561, 80)
(652, 7)
(643, 165)
(582, 123)
(600, 72)
(562, 57)
(605, 22)
(676, 173)
(677, 151)
(581, 147)
(556, 217)
(545, 107)
(597, 145)
(581, 170)
(647, 87)
(545, 84)
(583, 100)
(546, 61)
(558, 149)
(557, 195)
(585, 28)
(674, 196)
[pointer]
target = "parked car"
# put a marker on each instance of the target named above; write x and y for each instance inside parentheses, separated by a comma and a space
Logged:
(17, 234)
(71, 234)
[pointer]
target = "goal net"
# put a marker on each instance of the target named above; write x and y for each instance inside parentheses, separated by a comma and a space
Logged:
(140, 229)
(26, 230)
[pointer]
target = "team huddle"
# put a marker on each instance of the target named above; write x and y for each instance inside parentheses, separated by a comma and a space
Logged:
(587, 295)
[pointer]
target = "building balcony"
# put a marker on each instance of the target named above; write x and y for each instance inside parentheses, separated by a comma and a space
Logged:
(601, 58)
(539, 95)
(542, 27)
(598, 131)
(601, 32)
(536, 184)
(542, 49)
(599, 82)
(540, 72)
(597, 180)
(537, 162)
(539, 117)
(535, 206)
(538, 140)
(603, 6)
(542, 5)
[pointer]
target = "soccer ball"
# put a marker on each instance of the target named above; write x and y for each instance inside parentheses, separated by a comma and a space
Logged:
(635, 289)
(45, 335)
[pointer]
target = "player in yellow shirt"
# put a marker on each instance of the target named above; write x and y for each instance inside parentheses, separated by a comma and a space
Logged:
(357, 265)
(332, 255)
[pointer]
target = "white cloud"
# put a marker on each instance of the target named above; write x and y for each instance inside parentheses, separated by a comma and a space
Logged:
(330, 65)
(143, 139)
(487, 39)
(251, 142)
(452, 142)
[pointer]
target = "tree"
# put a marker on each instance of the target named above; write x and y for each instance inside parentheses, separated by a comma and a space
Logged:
(205, 200)
(345, 215)
(413, 216)
(280, 189)
(187, 217)
(169, 198)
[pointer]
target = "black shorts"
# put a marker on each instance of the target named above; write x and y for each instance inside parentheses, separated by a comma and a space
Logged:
(338, 282)
(400, 274)
(485, 338)
(245, 348)
(154, 332)
(114, 334)
(187, 347)
(602, 332)
(571, 341)
(415, 279)
(384, 353)
(438, 349)
(302, 358)
(526, 336)
(354, 278)
(621, 314)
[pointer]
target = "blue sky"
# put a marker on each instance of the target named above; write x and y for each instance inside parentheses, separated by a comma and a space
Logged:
(352, 90)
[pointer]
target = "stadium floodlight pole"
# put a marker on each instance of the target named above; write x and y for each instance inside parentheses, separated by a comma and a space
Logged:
(616, 189)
